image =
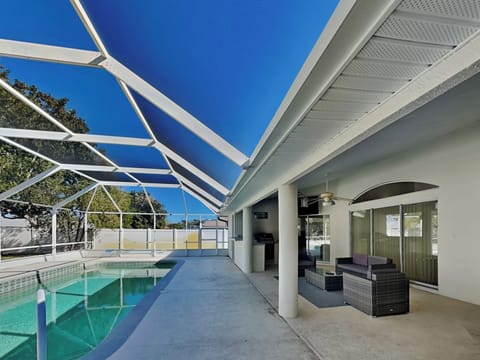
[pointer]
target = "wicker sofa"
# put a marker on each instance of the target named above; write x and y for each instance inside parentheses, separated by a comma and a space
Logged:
(363, 265)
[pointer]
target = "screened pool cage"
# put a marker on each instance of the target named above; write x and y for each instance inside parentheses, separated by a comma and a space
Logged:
(63, 188)
(62, 195)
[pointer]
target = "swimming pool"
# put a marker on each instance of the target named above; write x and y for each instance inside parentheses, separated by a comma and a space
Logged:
(82, 309)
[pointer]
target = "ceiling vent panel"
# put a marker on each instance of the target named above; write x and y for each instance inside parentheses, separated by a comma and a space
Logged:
(404, 27)
(315, 125)
(393, 50)
(329, 105)
(355, 95)
(334, 115)
(465, 9)
(383, 69)
(366, 83)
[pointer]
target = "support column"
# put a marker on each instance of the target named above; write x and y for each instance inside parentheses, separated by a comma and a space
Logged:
(85, 229)
(288, 251)
(1, 231)
(54, 232)
(247, 240)
(231, 243)
(120, 236)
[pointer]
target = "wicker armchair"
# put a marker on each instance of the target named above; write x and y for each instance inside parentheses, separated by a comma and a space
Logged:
(386, 293)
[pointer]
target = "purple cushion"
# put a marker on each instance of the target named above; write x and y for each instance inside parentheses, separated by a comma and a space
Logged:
(374, 260)
(360, 259)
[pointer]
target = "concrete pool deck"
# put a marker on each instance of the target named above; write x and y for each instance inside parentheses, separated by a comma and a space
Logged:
(210, 310)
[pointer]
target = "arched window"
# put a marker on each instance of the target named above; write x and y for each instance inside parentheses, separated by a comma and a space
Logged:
(392, 189)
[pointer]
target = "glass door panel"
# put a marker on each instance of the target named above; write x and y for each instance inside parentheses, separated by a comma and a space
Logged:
(386, 242)
(318, 237)
(360, 221)
(420, 242)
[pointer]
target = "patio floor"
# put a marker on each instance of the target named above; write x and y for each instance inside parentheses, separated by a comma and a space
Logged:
(436, 327)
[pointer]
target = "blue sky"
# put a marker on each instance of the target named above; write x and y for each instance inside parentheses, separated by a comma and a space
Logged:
(229, 63)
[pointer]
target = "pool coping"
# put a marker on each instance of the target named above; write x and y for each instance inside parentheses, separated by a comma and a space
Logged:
(120, 333)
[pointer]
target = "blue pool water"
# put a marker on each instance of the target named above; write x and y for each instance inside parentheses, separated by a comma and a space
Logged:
(81, 311)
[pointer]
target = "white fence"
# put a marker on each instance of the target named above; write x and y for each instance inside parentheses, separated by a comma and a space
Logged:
(161, 239)
(18, 238)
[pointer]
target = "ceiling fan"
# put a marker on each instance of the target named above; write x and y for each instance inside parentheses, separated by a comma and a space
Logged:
(328, 198)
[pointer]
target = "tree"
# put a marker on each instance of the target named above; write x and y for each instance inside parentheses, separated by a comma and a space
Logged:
(139, 203)
(17, 165)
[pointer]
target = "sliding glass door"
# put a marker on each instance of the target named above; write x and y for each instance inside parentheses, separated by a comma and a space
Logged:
(420, 242)
(405, 233)
(386, 239)
(360, 225)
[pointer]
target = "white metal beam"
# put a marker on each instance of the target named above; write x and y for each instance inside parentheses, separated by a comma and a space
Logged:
(148, 199)
(73, 137)
(77, 5)
(174, 110)
(136, 108)
(135, 184)
(107, 168)
(29, 182)
(30, 151)
(202, 200)
(58, 54)
(111, 199)
(32, 105)
(199, 190)
(165, 150)
(34, 134)
(91, 199)
(193, 169)
(74, 196)
(128, 77)
(115, 140)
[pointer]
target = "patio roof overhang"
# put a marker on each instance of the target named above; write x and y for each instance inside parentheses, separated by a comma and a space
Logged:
(375, 84)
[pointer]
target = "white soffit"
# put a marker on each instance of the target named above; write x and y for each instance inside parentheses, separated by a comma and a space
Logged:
(414, 38)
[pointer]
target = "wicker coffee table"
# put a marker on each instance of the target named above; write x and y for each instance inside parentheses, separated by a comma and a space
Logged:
(324, 279)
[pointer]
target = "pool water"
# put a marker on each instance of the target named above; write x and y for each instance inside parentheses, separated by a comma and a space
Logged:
(81, 311)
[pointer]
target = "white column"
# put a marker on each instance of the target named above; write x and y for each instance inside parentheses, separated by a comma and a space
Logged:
(288, 251)
(231, 244)
(54, 232)
(120, 236)
(85, 229)
(1, 235)
(247, 240)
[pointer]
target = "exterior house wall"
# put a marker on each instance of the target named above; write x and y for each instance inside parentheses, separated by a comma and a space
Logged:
(269, 225)
(451, 163)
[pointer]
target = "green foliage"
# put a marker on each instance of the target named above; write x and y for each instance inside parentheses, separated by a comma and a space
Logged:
(193, 224)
